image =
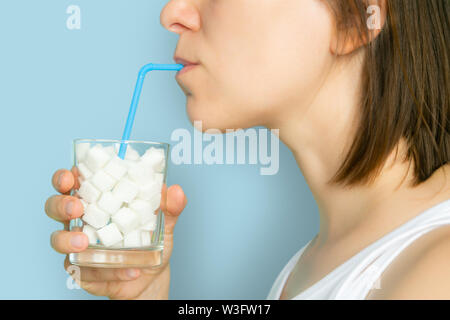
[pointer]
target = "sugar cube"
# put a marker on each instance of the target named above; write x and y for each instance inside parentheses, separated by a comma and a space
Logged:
(109, 203)
(155, 201)
(85, 204)
(159, 178)
(126, 220)
(146, 238)
(147, 191)
(110, 150)
(85, 173)
(143, 208)
(130, 154)
(149, 226)
(109, 235)
(88, 192)
(116, 168)
(118, 245)
(81, 150)
(129, 163)
(91, 233)
(155, 157)
(95, 216)
(132, 239)
(126, 190)
(96, 158)
(140, 174)
(103, 181)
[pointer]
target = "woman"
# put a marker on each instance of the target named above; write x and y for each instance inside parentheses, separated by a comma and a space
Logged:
(360, 93)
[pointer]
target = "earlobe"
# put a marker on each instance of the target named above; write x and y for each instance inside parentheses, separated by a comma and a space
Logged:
(346, 40)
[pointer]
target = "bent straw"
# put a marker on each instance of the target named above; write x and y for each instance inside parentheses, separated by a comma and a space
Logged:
(136, 95)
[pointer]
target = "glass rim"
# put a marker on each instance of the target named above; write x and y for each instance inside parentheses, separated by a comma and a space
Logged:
(81, 140)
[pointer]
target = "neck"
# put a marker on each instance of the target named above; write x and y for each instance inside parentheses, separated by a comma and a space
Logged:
(319, 139)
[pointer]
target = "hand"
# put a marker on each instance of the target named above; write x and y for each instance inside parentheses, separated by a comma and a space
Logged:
(114, 283)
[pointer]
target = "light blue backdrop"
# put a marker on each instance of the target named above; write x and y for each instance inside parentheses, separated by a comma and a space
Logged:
(239, 228)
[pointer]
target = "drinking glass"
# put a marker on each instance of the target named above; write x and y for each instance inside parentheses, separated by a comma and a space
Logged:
(121, 199)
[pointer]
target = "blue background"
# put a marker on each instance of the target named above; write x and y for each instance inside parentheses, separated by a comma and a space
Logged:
(239, 228)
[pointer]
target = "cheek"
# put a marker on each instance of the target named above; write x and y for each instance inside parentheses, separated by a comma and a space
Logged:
(294, 54)
(265, 59)
(300, 56)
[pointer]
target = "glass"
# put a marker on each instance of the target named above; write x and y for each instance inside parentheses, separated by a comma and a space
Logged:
(121, 199)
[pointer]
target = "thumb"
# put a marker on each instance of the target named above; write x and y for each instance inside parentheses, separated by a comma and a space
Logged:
(173, 202)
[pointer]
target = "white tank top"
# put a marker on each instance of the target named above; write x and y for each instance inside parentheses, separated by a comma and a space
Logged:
(357, 276)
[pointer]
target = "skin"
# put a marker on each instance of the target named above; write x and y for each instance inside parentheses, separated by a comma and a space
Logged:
(282, 64)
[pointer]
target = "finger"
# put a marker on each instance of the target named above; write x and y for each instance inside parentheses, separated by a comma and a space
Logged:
(105, 274)
(76, 175)
(63, 208)
(68, 241)
(63, 181)
(173, 202)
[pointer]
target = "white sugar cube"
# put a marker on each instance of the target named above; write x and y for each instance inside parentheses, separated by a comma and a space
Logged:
(97, 158)
(110, 150)
(140, 174)
(81, 150)
(149, 226)
(146, 238)
(129, 163)
(91, 233)
(132, 239)
(159, 178)
(126, 190)
(143, 208)
(88, 192)
(154, 157)
(118, 245)
(84, 171)
(130, 154)
(103, 181)
(147, 191)
(155, 201)
(126, 220)
(85, 204)
(109, 235)
(109, 203)
(95, 216)
(116, 168)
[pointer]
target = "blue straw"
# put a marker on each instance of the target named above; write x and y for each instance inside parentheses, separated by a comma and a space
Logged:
(135, 101)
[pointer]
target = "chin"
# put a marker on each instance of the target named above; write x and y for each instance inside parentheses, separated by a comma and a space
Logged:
(205, 114)
(218, 116)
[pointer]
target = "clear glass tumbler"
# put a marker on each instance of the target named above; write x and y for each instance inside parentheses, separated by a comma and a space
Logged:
(121, 198)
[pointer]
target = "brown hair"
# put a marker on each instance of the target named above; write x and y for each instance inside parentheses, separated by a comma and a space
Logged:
(405, 88)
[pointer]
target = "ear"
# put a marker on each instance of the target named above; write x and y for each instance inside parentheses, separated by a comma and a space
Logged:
(345, 40)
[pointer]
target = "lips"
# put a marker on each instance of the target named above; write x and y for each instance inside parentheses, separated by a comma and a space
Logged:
(183, 61)
(188, 65)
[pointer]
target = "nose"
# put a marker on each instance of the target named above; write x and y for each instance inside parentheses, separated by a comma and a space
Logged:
(179, 16)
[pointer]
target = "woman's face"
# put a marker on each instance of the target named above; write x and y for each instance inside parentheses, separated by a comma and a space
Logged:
(259, 60)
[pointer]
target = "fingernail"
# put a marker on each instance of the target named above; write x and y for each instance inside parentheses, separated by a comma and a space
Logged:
(69, 208)
(132, 273)
(77, 241)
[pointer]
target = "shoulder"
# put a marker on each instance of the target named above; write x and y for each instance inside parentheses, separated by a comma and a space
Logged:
(421, 271)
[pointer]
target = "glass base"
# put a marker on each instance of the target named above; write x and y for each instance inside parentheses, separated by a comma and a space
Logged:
(104, 258)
